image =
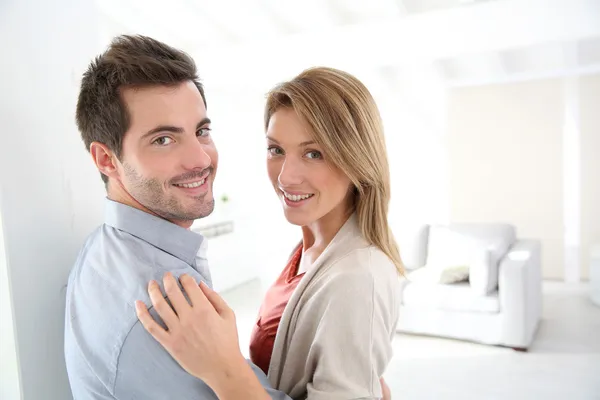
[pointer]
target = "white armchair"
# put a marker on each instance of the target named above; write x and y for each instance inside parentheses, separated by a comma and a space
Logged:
(496, 302)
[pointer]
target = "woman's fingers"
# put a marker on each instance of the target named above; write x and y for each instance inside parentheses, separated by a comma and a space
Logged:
(175, 295)
(157, 331)
(163, 309)
(385, 390)
(217, 301)
(204, 338)
(196, 296)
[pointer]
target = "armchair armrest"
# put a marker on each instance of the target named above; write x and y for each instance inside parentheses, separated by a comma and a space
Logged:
(520, 292)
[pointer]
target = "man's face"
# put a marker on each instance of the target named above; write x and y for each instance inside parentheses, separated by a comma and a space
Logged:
(169, 160)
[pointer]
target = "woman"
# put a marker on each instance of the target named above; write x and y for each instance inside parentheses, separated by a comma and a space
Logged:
(326, 325)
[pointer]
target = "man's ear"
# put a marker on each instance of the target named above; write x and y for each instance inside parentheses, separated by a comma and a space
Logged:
(105, 159)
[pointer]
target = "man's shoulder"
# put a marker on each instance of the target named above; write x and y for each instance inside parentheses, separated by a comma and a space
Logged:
(108, 238)
(103, 285)
(108, 248)
(113, 271)
(106, 278)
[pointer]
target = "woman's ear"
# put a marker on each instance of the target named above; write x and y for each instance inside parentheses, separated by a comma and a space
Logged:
(105, 159)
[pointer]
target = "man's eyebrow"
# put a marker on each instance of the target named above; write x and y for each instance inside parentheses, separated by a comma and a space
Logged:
(173, 129)
(204, 121)
(163, 128)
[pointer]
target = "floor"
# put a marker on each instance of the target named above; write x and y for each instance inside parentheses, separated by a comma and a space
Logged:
(563, 363)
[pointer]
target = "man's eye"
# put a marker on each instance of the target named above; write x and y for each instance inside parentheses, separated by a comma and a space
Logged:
(203, 132)
(163, 141)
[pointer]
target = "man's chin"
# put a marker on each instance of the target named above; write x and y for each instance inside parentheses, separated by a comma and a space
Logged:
(203, 215)
(205, 211)
(184, 217)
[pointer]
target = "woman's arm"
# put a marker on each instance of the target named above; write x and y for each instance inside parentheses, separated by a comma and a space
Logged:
(352, 323)
(202, 337)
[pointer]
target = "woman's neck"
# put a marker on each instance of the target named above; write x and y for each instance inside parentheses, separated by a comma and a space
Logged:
(317, 236)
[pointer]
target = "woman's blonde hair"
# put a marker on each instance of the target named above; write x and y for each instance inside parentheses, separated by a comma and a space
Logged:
(345, 122)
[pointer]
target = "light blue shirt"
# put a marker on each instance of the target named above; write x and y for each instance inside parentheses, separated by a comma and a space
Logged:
(109, 354)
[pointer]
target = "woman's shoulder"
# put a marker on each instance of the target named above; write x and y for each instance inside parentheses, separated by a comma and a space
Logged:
(366, 266)
(364, 278)
(364, 260)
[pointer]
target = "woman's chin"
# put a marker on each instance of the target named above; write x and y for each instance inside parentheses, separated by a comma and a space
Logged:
(297, 218)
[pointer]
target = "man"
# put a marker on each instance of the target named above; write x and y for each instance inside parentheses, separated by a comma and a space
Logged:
(142, 116)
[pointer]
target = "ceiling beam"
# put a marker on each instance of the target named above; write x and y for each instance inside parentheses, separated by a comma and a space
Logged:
(481, 28)
(525, 76)
(422, 38)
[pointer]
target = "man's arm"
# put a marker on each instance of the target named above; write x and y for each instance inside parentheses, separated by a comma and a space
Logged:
(247, 382)
(146, 371)
(201, 334)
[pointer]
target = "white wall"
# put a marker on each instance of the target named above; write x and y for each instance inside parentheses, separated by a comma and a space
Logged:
(51, 194)
(413, 110)
(589, 91)
(9, 367)
(506, 163)
(527, 153)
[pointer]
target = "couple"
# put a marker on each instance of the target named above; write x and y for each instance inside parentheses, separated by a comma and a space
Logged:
(141, 320)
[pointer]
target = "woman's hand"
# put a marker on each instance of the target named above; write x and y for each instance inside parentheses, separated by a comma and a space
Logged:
(385, 389)
(202, 337)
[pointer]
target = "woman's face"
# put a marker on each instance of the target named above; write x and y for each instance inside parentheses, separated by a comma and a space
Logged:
(307, 184)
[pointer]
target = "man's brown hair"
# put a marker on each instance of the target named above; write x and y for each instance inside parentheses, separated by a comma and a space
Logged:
(129, 62)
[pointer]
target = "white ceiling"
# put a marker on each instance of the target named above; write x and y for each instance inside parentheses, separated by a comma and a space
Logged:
(455, 42)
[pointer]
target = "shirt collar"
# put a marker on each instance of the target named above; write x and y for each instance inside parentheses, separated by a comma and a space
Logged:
(173, 239)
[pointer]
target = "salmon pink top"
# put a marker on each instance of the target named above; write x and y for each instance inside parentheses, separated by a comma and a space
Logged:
(271, 310)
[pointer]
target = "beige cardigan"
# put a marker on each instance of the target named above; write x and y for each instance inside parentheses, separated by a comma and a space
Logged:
(335, 336)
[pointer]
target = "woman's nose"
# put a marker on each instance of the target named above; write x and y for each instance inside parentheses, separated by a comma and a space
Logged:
(290, 174)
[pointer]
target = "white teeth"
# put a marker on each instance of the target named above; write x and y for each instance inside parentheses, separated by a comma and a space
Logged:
(297, 197)
(191, 185)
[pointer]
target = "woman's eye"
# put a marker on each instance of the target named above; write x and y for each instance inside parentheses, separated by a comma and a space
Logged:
(204, 131)
(274, 151)
(314, 154)
(163, 141)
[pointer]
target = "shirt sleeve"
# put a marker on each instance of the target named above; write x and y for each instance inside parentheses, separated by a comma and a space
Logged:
(147, 371)
(352, 344)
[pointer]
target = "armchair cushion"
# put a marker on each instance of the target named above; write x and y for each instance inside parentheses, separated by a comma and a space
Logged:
(493, 243)
(452, 255)
(443, 275)
(483, 272)
(456, 297)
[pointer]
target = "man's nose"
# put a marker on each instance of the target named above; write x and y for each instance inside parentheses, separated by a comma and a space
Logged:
(196, 156)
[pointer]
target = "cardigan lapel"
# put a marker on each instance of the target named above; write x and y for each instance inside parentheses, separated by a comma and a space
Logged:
(347, 239)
